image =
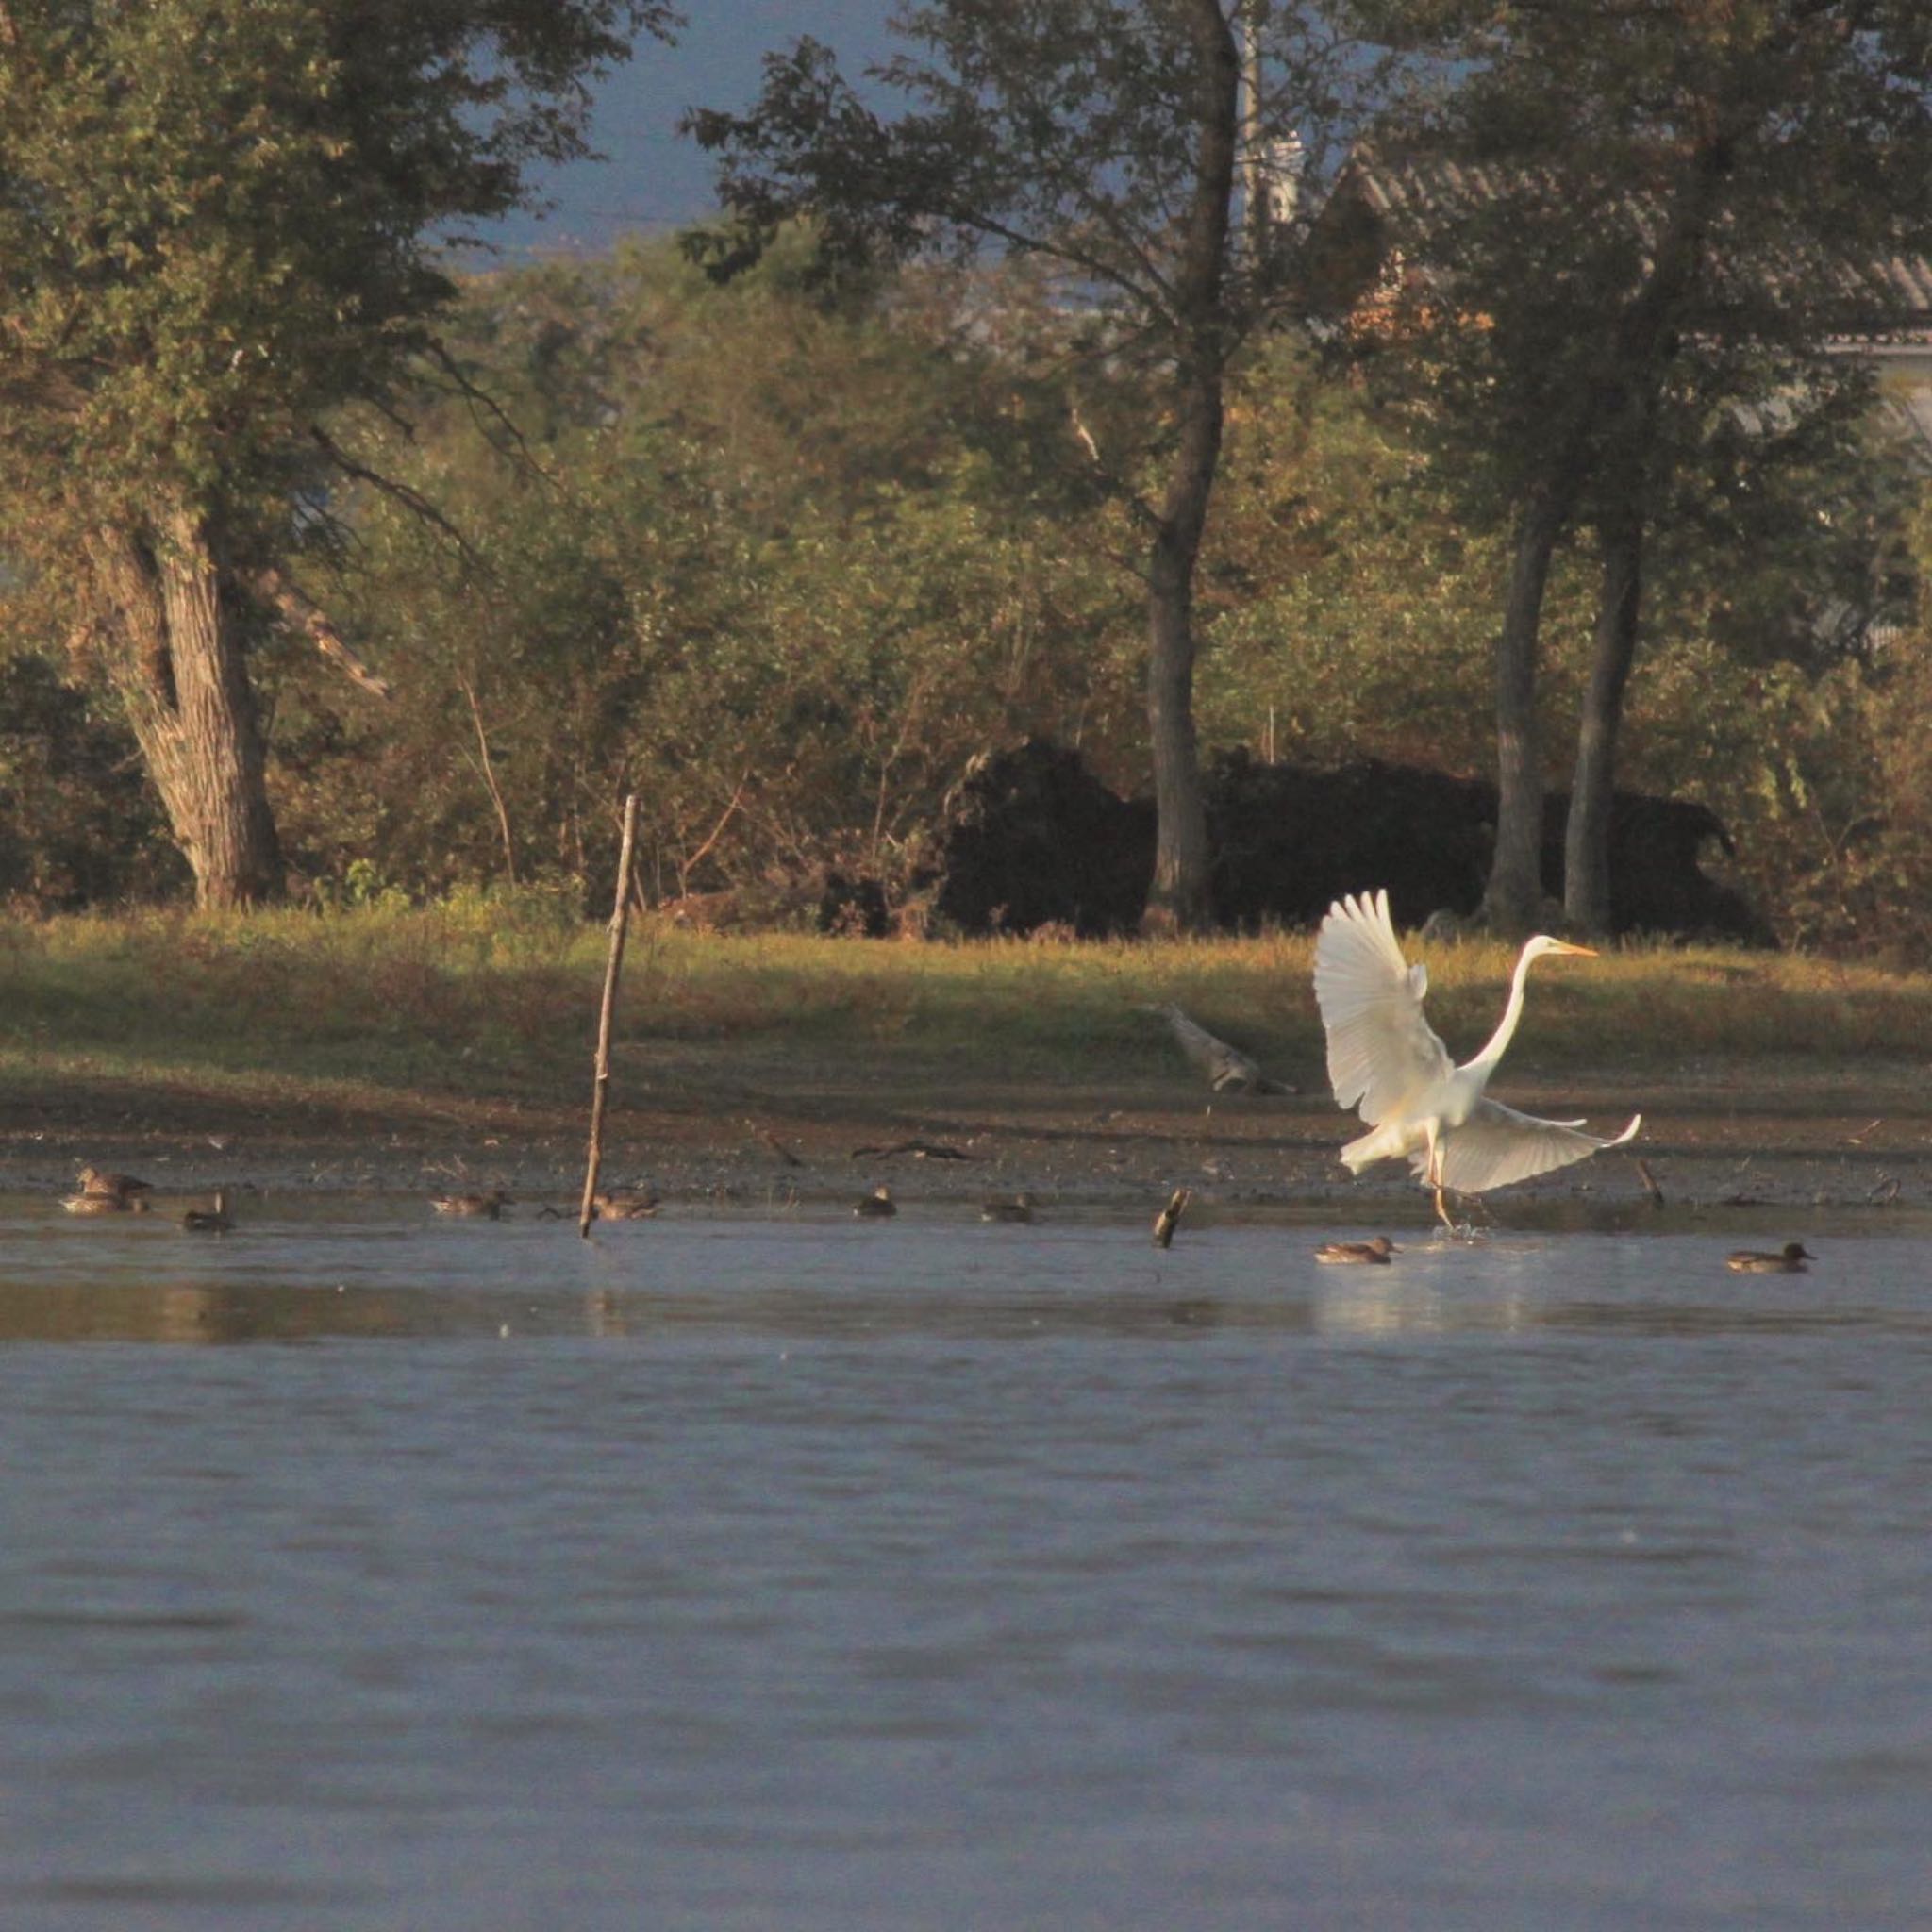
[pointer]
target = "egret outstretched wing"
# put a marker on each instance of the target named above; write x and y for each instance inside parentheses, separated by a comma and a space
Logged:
(1497, 1145)
(1382, 1053)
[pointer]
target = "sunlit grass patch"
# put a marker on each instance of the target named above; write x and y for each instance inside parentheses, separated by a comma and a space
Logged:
(1649, 1006)
(502, 993)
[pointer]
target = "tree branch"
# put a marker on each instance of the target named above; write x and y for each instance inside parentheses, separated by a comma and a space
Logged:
(489, 770)
(691, 863)
(411, 498)
(1110, 481)
(300, 615)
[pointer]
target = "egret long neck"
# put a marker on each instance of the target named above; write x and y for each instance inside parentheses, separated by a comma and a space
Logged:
(1484, 1062)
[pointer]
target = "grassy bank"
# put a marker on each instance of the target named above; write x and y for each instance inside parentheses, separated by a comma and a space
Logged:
(495, 998)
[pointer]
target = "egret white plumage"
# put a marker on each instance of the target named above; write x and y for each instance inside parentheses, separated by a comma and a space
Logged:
(1385, 1059)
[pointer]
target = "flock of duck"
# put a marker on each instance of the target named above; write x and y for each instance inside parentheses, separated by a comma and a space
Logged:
(99, 1192)
(1384, 1062)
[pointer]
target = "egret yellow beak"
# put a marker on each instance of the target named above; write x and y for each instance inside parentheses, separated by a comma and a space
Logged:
(1582, 952)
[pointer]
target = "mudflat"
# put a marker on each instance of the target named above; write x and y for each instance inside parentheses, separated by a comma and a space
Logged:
(756, 1123)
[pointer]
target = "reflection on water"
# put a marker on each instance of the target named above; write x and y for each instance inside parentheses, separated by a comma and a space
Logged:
(381, 1270)
(796, 1573)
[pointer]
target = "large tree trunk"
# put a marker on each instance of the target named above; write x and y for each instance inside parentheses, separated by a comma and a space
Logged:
(1593, 791)
(1627, 385)
(170, 648)
(1177, 897)
(1512, 899)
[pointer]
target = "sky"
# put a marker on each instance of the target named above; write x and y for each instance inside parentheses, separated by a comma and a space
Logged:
(653, 180)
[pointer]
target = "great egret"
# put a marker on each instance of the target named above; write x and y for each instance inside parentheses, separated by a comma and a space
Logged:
(1377, 1248)
(1385, 1059)
(1790, 1260)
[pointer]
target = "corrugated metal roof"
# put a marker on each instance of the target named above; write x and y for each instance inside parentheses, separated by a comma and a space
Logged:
(1883, 298)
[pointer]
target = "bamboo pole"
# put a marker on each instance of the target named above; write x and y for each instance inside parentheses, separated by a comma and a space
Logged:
(620, 923)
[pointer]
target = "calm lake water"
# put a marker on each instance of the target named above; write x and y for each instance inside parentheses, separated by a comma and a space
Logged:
(362, 1572)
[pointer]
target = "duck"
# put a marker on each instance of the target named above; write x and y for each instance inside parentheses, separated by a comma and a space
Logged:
(1019, 1209)
(876, 1204)
(1789, 1260)
(84, 1203)
(122, 1186)
(1377, 1248)
(622, 1207)
(1170, 1217)
(487, 1206)
(210, 1221)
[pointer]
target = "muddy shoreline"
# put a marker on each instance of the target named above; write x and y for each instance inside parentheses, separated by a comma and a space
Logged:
(724, 1128)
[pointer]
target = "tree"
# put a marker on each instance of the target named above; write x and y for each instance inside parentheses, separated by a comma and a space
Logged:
(1107, 141)
(777, 562)
(1662, 212)
(218, 223)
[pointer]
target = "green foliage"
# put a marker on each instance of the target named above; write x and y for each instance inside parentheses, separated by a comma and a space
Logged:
(78, 826)
(782, 555)
(1349, 609)
(1346, 605)
(1640, 232)
(220, 223)
(780, 567)
(218, 220)
(783, 565)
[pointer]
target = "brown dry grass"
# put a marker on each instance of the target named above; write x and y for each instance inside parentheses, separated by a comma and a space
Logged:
(490, 997)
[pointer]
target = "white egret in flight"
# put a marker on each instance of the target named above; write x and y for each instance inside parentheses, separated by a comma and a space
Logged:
(1385, 1058)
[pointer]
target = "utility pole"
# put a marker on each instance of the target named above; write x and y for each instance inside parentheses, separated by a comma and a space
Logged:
(1258, 208)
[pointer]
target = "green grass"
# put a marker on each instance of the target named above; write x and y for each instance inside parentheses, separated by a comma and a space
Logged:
(499, 998)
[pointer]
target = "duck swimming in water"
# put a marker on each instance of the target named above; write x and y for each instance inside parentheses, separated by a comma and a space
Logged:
(622, 1207)
(876, 1204)
(122, 1186)
(205, 1221)
(1377, 1248)
(484, 1207)
(1789, 1260)
(84, 1203)
(1170, 1217)
(1019, 1209)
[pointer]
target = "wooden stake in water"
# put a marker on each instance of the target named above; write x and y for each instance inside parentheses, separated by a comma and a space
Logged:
(620, 923)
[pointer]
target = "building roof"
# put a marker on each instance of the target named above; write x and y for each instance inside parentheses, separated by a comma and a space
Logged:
(1406, 205)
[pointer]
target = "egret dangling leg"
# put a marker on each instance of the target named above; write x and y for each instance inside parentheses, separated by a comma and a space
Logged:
(1432, 1174)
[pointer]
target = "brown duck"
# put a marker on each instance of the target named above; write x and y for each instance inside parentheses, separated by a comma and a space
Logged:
(123, 1186)
(876, 1204)
(1377, 1248)
(622, 1207)
(1170, 1217)
(488, 1207)
(1789, 1260)
(1019, 1209)
(84, 1203)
